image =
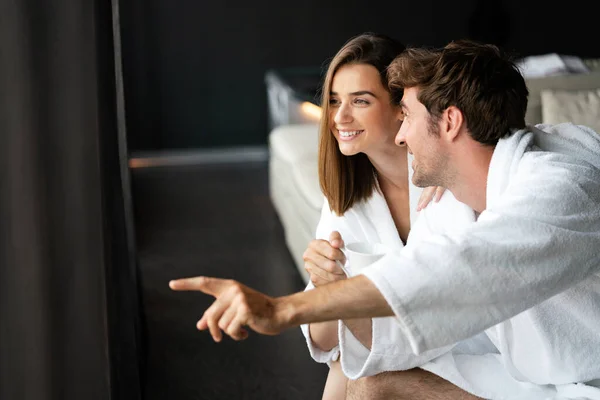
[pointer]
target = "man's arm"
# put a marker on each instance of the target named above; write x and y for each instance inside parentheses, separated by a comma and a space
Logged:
(538, 238)
(529, 246)
(351, 298)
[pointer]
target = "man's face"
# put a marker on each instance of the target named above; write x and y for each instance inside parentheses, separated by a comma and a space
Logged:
(422, 138)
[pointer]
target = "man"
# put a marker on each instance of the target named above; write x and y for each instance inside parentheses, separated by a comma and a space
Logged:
(526, 273)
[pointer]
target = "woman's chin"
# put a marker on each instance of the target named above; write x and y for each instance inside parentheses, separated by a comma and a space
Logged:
(348, 150)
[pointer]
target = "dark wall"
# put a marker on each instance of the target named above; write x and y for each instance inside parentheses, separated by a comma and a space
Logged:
(194, 70)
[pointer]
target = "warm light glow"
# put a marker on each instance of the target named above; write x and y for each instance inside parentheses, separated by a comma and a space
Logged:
(139, 163)
(311, 110)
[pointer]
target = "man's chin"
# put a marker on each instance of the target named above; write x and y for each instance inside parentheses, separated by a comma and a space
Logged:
(418, 181)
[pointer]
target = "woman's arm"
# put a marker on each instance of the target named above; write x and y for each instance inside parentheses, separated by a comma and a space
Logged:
(321, 337)
(320, 261)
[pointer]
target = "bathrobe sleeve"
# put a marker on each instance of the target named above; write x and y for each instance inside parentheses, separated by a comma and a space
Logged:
(388, 350)
(324, 229)
(539, 236)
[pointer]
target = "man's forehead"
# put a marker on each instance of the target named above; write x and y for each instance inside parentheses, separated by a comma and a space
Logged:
(409, 98)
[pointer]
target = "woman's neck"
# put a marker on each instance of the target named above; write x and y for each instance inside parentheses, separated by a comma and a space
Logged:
(392, 175)
(392, 169)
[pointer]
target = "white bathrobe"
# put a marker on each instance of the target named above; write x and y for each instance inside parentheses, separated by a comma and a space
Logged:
(527, 273)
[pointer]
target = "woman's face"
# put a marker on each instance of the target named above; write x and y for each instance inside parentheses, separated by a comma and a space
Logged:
(361, 115)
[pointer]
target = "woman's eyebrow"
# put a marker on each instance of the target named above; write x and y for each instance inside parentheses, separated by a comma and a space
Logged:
(358, 93)
(362, 93)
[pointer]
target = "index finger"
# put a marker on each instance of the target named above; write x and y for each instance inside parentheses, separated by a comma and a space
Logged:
(204, 284)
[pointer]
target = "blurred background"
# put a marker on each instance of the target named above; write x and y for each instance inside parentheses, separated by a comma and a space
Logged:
(144, 141)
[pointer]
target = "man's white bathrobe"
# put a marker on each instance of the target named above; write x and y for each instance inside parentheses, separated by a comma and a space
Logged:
(526, 273)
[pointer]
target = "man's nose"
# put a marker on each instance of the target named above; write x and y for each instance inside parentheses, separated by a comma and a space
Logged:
(400, 139)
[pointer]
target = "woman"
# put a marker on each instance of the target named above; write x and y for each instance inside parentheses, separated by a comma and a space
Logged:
(364, 177)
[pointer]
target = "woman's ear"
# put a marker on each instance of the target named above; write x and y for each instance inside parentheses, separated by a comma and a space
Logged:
(400, 114)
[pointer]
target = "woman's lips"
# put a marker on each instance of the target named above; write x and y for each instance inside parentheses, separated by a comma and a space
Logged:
(347, 136)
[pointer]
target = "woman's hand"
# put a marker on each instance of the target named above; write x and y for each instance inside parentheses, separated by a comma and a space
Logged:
(430, 193)
(321, 260)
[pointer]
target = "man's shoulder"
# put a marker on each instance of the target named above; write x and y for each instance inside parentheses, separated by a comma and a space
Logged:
(576, 144)
(549, 165)
(549, 184)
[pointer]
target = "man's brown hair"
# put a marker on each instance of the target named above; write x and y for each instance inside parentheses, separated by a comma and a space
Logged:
(479, 79)
(346, 180)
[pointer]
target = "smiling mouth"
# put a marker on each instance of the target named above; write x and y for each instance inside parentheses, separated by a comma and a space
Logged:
(349, 134)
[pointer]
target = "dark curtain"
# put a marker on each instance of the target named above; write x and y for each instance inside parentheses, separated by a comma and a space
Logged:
(69, 319)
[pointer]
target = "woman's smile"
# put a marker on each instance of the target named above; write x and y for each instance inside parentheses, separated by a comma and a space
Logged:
(349, 135)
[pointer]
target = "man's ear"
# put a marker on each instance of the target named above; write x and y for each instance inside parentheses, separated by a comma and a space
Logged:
(452, 123)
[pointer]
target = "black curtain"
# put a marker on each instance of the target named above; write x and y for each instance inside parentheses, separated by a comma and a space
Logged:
(69, 319)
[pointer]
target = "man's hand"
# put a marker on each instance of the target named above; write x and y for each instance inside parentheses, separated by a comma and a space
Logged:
(235, 306)
(321, 260)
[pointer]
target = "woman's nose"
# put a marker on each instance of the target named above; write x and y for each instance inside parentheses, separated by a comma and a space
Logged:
(343, 114)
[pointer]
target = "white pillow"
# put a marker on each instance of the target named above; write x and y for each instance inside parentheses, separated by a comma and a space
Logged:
(581, 107)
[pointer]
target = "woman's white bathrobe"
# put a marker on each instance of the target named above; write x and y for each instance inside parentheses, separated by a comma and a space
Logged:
(526, 273)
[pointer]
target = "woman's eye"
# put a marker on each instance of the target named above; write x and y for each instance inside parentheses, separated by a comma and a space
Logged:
(333, 102)
(361, 101)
